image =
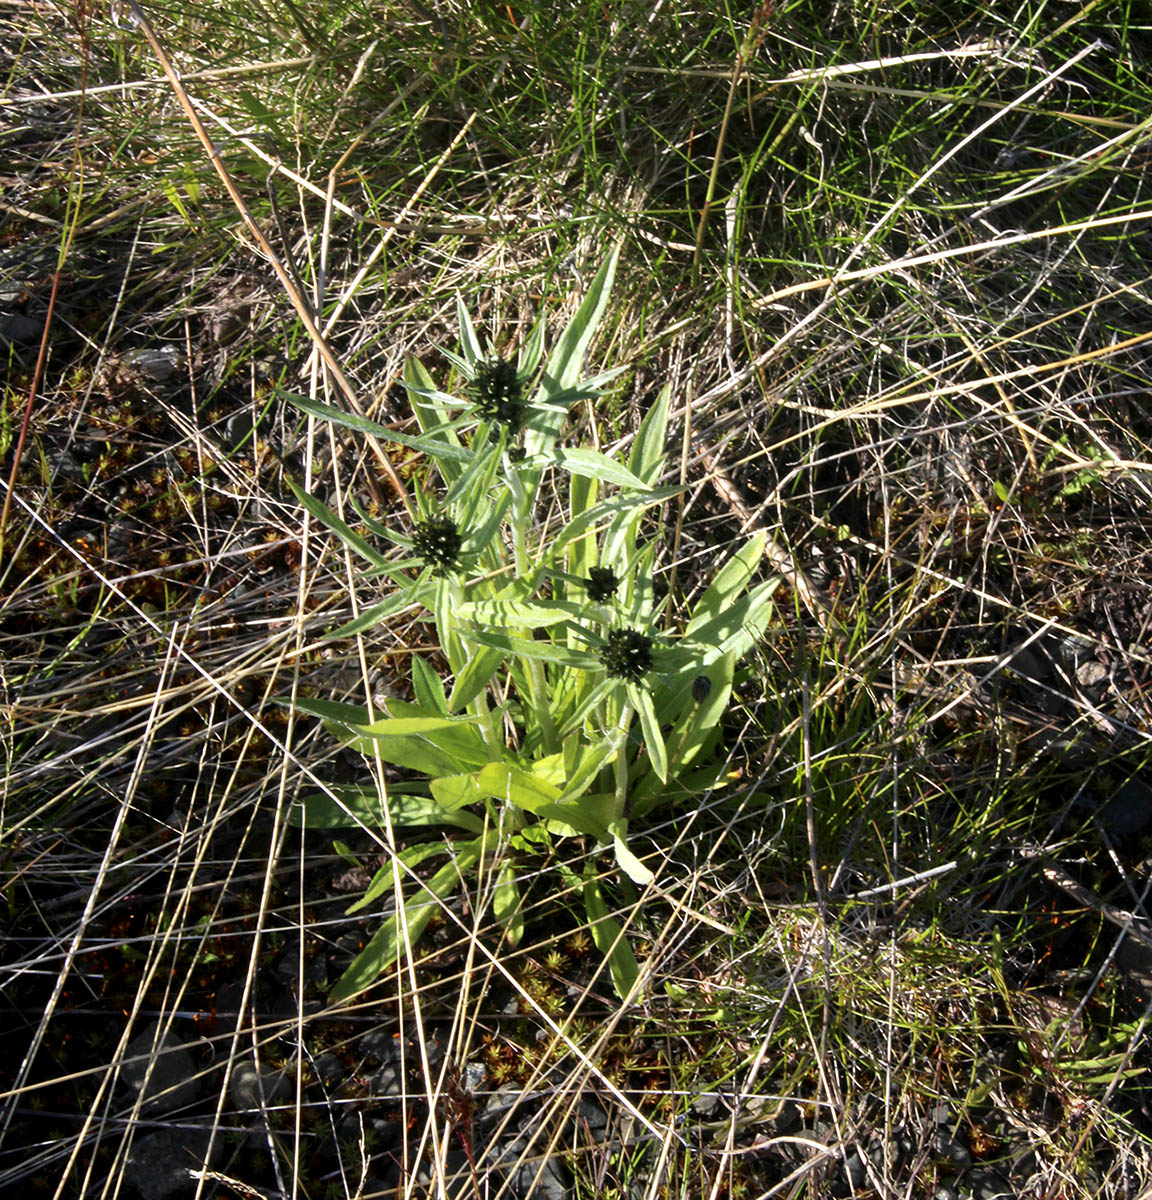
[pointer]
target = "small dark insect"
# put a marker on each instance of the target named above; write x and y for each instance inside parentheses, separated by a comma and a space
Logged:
(701, 688)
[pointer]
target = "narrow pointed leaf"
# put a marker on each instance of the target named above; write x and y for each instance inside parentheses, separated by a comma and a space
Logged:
(322, 513)
(388, 943)
(653, 739)
(610, 940)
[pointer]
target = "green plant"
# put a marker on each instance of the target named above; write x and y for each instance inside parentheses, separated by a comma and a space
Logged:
(570, 714)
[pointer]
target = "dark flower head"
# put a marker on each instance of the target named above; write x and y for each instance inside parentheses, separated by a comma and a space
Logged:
(701, 688)
(437, 541)
(517, 454)
(601, 584)
(627, 653)
(497, 392)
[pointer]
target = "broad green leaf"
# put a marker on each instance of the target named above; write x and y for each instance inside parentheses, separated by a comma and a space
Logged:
(385, 880)
(453, 792)
(610, 940)
(647, 458)
(481, 665)
(323, 514)
(516, 614)
(427, 686)
(507, 906)
(626, 860)
(347, 808)
(562, 656)
(387, 944)
(593, 465)
(641, 700)
(729, 582)
(502, 781)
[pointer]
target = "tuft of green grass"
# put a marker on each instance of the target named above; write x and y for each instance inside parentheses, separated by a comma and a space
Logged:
(890, 263)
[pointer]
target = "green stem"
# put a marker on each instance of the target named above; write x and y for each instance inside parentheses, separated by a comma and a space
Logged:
(620, 764)
(537, 679)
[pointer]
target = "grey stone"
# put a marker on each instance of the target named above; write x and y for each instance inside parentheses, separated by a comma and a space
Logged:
(990, 1185)
(387, 1081)
(252, 1090)
(163, 365)
(378, 1044)
(160, 1165)
(19, 330)
(1129, 810)
(953, 1150)
(329, 1069)
(160, 1071)
(1091, 674)
(856, 1168)
(532, 1180)
(589, 1116)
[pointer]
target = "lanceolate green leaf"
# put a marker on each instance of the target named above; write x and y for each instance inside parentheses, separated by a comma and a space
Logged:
(594, 465)
(507, 905)
(478, 671)
(730, 581)
(502, 781)
(735, 629)
(565, 364)
(322, 513)
(469, 342)
(347, 808)
(385, 881)
(421, 595)
(610, 940)
(647, 458)
(427, 686)
(627, 861)
(388, 943)
(530, 648)
(326, 412)
(641, 700)
(515, 614)
(632, 503)
(362, 807)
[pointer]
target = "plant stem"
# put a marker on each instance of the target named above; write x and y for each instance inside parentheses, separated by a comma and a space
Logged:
(620, 763)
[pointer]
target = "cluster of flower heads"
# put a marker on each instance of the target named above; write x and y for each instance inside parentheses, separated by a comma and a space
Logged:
(437, 541)
(627, 653)
(601, 584)
(498, 393)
